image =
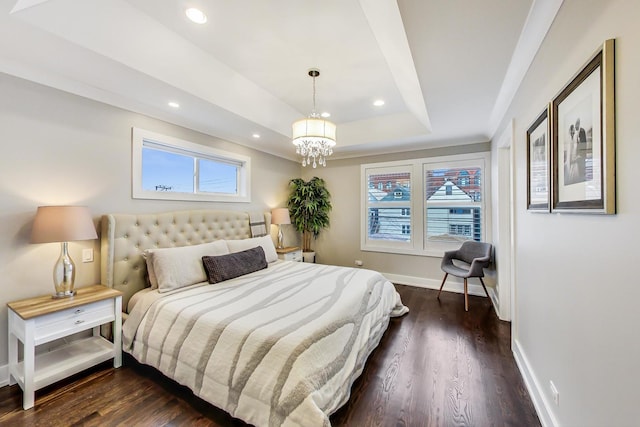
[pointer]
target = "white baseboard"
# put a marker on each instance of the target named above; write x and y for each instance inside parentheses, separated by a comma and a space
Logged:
(494, 299)
(4, 375)
(540, 402)
(453, 284)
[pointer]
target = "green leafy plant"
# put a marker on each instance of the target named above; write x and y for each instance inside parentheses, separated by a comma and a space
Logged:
(309, 205)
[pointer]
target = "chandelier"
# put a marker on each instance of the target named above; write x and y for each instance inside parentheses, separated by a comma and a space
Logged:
(313, 136)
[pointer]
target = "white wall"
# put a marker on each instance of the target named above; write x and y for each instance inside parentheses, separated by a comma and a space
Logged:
(58, 148)
(576, 316)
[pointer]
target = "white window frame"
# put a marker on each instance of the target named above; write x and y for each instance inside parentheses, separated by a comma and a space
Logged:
(418, 167)
(141, 138)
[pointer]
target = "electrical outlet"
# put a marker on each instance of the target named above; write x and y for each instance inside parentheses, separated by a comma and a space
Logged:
(87, 255)
(554, 393)
(359, 263)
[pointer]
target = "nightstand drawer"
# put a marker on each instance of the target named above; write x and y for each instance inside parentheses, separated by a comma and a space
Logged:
(66, 322)
(293, 256)
(290, 254)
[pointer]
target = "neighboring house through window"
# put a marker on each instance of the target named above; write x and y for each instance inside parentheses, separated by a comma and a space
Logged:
(388, 211)
(453, 214)
(463, 178)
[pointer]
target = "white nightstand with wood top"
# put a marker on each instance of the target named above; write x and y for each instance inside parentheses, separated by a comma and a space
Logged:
(36, 321)
(292, 253)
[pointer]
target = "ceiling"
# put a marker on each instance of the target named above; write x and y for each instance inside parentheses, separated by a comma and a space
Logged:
(446, 69)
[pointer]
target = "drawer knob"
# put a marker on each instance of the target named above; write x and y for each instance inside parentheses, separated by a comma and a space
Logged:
(78, 311)
(79, 322)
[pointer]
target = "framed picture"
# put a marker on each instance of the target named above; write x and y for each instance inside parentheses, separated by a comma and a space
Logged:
(538, 164)
(583, 135)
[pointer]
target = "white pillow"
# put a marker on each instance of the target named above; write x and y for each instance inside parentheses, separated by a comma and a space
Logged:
(182, 266)
(147, 255)
(265, 241)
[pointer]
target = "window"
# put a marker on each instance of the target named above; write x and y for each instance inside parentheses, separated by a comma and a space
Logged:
(453, 215)
(460, 230)
(388, 211)
(426, 206)
(463, 178)
(171, 169)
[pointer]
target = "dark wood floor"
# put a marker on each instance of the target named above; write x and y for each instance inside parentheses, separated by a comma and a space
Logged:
(436, 366)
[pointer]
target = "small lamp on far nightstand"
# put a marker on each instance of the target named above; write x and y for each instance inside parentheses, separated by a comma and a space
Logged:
(63, 224)
(280, 216)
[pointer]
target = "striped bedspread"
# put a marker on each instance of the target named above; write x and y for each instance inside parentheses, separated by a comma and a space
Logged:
(280, 346)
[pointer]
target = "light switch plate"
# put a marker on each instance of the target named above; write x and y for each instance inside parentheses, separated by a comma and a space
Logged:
(87, 255)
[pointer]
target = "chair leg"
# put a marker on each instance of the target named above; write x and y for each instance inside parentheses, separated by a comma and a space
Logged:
(441, 286)
(483, 286)
(466, 296)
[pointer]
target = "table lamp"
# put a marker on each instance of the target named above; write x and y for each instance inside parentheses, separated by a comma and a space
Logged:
(280, 216)
(63, 224)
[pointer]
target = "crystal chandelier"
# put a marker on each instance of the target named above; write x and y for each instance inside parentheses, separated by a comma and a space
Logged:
(313, 136)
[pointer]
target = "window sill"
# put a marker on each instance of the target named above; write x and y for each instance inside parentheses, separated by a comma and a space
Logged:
(192, 197)
(434, 253)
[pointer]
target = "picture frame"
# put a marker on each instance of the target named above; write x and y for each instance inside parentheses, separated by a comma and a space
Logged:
(583, 135)
(539, 163)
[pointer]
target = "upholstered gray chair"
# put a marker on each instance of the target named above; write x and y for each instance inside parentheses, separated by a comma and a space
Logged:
(472, 258)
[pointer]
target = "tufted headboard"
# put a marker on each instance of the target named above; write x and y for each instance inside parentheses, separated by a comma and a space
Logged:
(125, 236)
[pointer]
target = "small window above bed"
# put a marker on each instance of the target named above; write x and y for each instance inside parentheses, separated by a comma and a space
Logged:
(167, 168)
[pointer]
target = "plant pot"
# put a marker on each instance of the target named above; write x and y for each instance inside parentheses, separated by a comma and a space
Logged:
(309, 256)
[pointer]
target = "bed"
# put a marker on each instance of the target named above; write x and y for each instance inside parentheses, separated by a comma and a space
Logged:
(278, 345)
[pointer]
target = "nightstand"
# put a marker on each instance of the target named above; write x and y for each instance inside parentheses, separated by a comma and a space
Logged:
(36, 321)
(292, 253)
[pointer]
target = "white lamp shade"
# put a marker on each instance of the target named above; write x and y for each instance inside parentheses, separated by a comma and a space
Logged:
(314, 128)
(62, 224)
(280, 216)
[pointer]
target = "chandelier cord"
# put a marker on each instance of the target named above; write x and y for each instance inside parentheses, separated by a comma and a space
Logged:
(313, 112)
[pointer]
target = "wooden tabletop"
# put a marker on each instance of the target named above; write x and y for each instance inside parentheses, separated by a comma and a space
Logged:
(287, 250)
(38, 306)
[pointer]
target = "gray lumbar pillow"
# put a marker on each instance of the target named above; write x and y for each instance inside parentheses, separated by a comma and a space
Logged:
(225, 267)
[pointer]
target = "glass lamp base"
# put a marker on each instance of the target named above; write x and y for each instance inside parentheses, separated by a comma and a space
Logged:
(64, 274)
(280, 238)
(61, 295)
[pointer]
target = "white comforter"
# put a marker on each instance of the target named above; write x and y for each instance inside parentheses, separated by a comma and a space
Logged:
(281, 346)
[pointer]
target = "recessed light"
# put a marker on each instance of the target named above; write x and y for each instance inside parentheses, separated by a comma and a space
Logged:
(256, 135)
(326, 114)
(378, 102)
(173, 104)
(196, 15)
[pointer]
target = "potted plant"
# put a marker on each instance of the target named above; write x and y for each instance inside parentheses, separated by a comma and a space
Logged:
(309, 207)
